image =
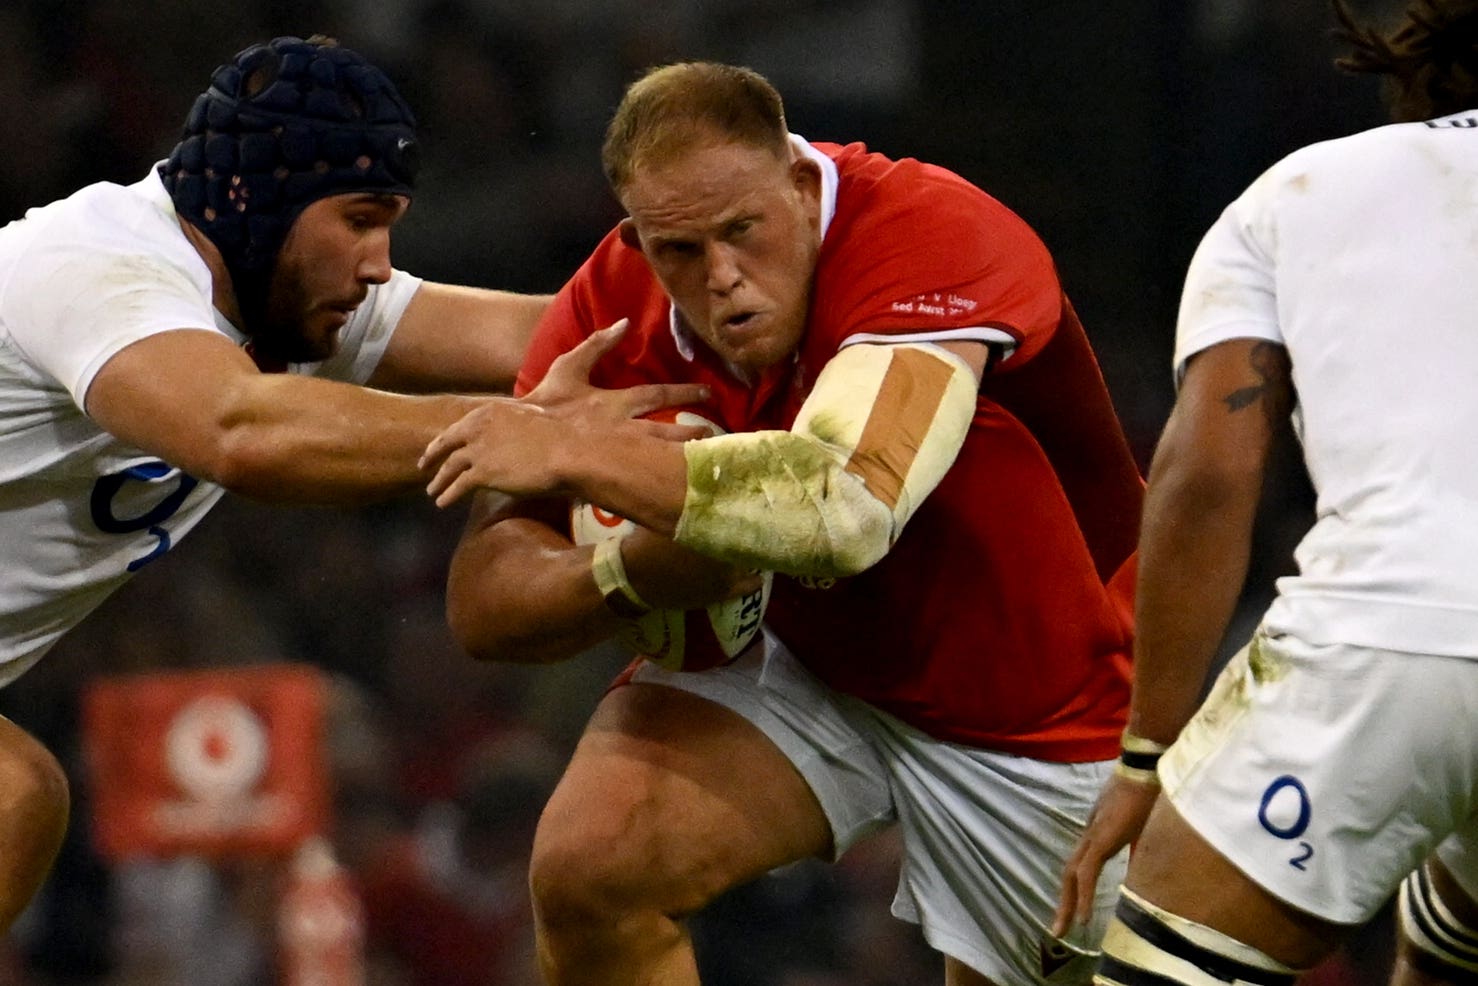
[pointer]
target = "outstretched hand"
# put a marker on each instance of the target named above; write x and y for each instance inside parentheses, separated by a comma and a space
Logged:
(515, 446)
(566, 387)
(1117, 819)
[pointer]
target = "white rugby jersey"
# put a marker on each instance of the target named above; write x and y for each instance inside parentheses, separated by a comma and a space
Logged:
(1358, 255)
(80, 512)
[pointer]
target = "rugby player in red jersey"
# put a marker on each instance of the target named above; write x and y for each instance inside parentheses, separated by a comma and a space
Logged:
(921, 447)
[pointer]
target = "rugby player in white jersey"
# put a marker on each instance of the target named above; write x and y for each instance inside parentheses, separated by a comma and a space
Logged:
(203, 330)
(1336, 758)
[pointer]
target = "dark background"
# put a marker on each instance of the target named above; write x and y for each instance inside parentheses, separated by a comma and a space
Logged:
(1118, 128)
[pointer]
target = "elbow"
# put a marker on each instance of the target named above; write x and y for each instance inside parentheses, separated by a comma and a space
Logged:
(850, 543)
(491, 630)
(479, 632)
(1210, 484)
(238, 458)
(235, 465)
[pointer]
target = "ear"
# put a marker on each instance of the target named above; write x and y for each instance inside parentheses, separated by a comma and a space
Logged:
(627, 231)
(805, 176)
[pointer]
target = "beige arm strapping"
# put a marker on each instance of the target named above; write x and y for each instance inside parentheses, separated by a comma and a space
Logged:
(830, 497)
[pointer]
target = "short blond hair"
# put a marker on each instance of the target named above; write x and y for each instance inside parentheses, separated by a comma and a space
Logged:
(675, 107)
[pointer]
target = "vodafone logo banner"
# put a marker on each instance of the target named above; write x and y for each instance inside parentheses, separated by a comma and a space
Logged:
(220, 762)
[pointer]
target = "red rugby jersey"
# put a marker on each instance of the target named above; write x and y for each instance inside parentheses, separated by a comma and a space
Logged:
(1000, 618)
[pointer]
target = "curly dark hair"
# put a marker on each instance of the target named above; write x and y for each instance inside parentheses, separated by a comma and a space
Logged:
(1429, 60)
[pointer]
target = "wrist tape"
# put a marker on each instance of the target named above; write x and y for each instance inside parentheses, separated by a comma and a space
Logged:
(610, 579)
(1139, 758)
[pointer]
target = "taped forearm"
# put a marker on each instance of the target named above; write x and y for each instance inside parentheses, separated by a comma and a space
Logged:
(780, 501)
(829, 498)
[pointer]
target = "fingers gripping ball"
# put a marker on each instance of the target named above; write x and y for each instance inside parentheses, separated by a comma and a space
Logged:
(679, 640)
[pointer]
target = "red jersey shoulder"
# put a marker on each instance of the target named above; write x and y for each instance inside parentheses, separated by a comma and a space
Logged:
(613, 283)
(915, 248)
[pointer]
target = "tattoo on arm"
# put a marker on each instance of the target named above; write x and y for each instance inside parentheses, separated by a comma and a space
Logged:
(1270, 363)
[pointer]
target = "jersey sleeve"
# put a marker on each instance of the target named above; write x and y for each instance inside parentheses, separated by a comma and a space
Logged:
(922, 255)
(70, 310)
(362, 342)
(1229, 286)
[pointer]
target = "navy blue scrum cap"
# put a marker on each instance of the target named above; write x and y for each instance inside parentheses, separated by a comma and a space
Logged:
(282, 125)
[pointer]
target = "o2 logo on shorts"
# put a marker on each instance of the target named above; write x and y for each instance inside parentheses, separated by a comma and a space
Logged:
(1285, 812)
(109, 490)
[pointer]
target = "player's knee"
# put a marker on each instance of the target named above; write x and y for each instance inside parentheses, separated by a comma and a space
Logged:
(34, 804)
(34, 794)
(594, 869)
(1146, 944)
(1431, 927)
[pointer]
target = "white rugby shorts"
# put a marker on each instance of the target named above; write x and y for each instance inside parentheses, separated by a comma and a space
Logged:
(1326, 773)
(985, 835)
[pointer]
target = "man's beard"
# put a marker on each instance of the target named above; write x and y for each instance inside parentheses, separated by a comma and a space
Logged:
(273, 307)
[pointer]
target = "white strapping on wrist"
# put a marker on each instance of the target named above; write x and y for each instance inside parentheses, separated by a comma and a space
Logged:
(609, 570)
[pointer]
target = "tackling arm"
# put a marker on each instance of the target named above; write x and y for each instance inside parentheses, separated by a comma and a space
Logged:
(194, 399)
(197, 401)
(459, 338)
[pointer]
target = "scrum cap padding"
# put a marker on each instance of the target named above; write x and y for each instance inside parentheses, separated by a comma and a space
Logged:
(282, 125)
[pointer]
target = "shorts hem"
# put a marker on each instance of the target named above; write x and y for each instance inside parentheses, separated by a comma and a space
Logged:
(1219, 840)
(947, 943)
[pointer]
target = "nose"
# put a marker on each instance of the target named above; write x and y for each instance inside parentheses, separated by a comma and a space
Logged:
(723, 268)
(374, 261)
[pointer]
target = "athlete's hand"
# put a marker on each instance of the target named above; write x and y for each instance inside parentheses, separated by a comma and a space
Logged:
(566, 388)
(1117, 819)
(514, 445)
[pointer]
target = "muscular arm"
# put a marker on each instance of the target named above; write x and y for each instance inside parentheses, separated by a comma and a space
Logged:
(520, 591)
(825, 498)
(459, 338)
(197, 401)
(1204, 486)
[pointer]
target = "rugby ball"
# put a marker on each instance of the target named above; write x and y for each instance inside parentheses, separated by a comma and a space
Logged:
(679, 640)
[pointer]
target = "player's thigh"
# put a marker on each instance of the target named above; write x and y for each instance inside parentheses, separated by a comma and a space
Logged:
(957, 973)
(1175, 868)
(1312, 780)
(672, 798)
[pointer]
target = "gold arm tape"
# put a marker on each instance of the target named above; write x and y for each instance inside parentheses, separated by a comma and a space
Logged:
(897, 428)
(609, 570)
(903, 440)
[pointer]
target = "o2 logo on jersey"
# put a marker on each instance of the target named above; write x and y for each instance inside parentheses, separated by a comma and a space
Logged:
(1285, 813)
(120, 491)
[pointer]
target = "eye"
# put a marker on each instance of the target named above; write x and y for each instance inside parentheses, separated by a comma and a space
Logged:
(678, 249)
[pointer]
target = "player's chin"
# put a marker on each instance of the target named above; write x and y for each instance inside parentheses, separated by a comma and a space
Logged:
(757, 358)
(321, 338)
